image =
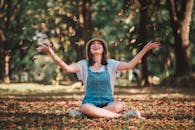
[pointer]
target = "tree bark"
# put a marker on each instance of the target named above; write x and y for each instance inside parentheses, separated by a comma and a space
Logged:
(6, 68)
(5, 26)
(86, 29)
(180, 15)
(83, 28)
(2, 71)
(144, 21)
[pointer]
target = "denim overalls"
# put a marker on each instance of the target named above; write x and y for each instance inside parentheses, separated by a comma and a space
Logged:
(98, 90)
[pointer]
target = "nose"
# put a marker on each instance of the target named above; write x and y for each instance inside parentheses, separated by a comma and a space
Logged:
(96, 43)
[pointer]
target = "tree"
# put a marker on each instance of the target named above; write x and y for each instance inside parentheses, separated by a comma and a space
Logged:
(180, 14)
(73, 25)
(84, 30)
(17, 26)
(143, 30)
(144, 23)
(10, 11)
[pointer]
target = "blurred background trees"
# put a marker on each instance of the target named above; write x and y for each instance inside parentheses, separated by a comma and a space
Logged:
(126, 25)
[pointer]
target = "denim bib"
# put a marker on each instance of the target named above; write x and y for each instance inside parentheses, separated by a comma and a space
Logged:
(98, 90)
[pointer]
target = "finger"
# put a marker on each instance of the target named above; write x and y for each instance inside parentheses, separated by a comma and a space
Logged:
(158, 46)
(51, 44)
(45, 44)
(155, 42)
(149, 42)
(41, 48)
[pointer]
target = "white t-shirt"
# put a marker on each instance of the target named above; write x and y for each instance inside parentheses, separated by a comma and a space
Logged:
(112, 69)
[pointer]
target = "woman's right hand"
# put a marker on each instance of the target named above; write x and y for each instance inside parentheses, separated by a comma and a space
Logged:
(44, 48)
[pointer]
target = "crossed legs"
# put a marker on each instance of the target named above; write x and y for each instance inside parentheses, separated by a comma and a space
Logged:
(109, 111)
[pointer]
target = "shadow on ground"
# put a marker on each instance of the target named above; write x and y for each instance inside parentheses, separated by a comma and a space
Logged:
(163, 108)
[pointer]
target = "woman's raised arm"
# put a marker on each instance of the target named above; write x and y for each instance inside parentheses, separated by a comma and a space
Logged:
(72, 68)
(129, 65)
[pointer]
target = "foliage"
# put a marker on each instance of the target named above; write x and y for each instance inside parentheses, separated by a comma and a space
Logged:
(44, 107)
(19, 22)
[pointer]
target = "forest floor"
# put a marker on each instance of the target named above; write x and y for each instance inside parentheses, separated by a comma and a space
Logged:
(36, 106)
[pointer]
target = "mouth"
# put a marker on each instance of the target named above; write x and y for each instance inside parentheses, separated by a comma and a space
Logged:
(96, 48)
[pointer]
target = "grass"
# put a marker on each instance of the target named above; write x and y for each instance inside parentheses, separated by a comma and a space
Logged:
(36, 106)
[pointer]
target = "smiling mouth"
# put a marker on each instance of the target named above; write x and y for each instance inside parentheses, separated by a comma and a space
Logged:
(96, 48)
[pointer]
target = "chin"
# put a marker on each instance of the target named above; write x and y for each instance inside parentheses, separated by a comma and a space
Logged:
(97, 52)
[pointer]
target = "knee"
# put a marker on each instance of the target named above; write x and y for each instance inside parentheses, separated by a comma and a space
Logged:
(119, 106)
(85, 108)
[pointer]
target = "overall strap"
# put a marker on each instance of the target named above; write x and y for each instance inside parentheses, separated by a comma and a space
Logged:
(106, 68)
(88, 67)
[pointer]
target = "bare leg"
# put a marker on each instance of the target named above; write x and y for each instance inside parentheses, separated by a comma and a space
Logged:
(115, 107)
(93, 111)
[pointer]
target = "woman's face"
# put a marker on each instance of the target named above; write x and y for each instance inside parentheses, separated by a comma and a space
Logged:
(96, 48)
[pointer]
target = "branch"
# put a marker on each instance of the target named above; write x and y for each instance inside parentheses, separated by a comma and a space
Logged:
(172, 9)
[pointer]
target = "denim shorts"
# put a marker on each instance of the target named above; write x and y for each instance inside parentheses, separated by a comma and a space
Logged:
(100, 105)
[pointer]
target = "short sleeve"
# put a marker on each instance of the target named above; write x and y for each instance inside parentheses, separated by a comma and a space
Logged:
(81, 74)
(113, 64)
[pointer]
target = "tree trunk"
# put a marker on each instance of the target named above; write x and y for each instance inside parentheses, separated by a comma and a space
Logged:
(144, 21)
(2, 38)
(1, 64)
(85, 27)
(4, 42)
(7, 59)
(180, 15)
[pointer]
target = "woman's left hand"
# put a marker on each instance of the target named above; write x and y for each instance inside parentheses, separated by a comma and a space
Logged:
(151, 45)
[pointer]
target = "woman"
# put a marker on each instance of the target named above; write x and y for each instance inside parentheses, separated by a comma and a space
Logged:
(98, 75)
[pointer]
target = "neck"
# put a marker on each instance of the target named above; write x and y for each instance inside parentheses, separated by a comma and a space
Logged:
(97, 59)
(97, 65)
